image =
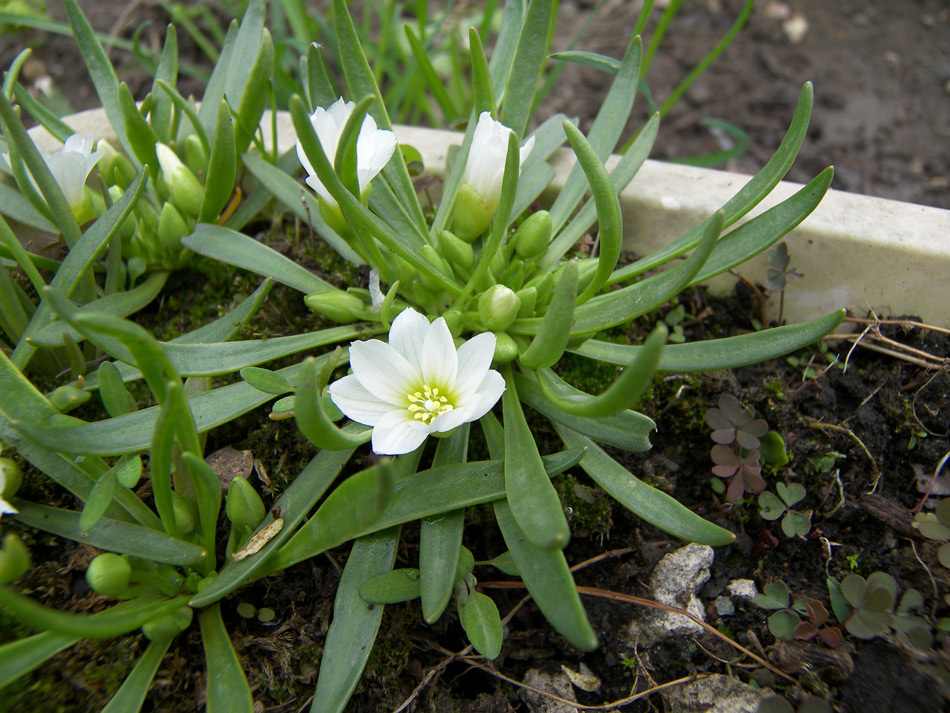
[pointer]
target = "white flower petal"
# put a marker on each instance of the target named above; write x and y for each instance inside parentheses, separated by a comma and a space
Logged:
(439, 358)
(358, 404)
(383, 371)
(489, 391)
(407, 334)
(474, 360)
(6, 508)
(396, 433)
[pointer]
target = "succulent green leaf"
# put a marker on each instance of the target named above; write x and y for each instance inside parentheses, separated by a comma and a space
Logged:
(100, 497)
(313, 421)
(393, 587)
(479, 617)
(222, 167)
(266, 380)
(17, 658)
(228, 691)
(131, 694)
(527, 64)
(549, 581)
(554, 330)
(531, 496)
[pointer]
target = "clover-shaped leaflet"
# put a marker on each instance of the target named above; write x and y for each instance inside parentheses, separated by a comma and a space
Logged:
(734, 423)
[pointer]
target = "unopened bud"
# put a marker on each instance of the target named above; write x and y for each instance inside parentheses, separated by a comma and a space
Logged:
(168, 626)
(456, 251)
(533, 235)
(196, 157)
(454, 320)
(11, 478)
(171, 228)
(497, 307)
(529, 298)
(471, 216)
(506, 349)
(433, 258)
(109, 574)
(14, 558)
(184, 188)
(336, 305)
(67, 397)
(244, 507)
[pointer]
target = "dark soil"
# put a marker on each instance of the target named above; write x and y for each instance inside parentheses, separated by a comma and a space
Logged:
(857, 438)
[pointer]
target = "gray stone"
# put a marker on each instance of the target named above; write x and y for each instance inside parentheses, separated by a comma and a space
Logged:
(674, 582)
(742, 589)
(715, 694)
(558, 684)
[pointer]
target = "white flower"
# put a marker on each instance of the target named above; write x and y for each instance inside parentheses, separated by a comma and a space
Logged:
(480, 192)
(72, 165)
(184, 188)
(5, 507)
(418, 383)
(374, 147)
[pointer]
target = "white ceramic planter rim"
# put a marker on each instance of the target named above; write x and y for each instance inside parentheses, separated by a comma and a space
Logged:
(854, 251)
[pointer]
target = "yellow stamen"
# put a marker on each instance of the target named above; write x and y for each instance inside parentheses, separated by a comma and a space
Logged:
(428, 403)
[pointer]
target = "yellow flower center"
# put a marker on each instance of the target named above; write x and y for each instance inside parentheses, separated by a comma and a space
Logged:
(428, 403)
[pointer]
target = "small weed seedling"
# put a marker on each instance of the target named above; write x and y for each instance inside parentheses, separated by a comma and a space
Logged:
(786, 622)
(771, 507)
(866, 608)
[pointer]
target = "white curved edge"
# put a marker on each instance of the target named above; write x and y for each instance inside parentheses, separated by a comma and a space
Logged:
(854, 251)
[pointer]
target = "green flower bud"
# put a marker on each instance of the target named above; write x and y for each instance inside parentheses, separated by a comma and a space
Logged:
(171, 228)
(497, 307)
(457, 252)
(168, 580)
(67, 397)
(471, 216)
(109, 574)
(498, 264)
(196, 157)
(336, 305)
(454, 321)
(244, 507)
(14, 558)
(506, 349)
(186, 513)
(529, 298)
(184, 188)
(168, 626)
(333, 216)
(533, 235)
(434, 259)
(11, 478)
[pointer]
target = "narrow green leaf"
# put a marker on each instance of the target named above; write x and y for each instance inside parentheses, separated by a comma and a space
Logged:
(353, 629)
(610, 233)
(554, 331)
(104, 625)
(131, 694)
(479, 617)
(433, 81)
(227, 689)
(139, 134)
(312, 419)
(222, 167)
(100, 497)
(588, 59)
(533, 500)
(17, 658)
(14, 205)
(622, 394)
(744, 200)
(215, 88)
(247, 47)
(266, 380)
(726, 353)
(440, 538)
(350, 509)
(504, 52)
(160, 115)
(763, 231)
(482, 93)
(112, 535)
(654, 506)
(112, 391)
(393, 587)
(128, 470)
(234, 248)
(527, 65)
(103, 76)
(320, 90)
(187, 108)
(256, 93)
(628, 430)
(548, 579)
(160, 458)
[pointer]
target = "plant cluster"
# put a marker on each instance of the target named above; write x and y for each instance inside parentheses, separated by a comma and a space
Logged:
(805, 619)
(471, 300)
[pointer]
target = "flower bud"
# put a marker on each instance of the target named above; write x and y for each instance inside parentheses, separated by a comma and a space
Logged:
(434, 259)
(533, 235)
(168, 626)
(454, 320)
(457, 252)
(336, 305)
(196, 157)
(497, 307)
(498, 265)
(11, 478)
(67, 397)
(14, 558)
(184, 188)
(109, 574)
(186, 513)
(244, 507)
(529, 298)
(171, 228)
(506, 349)
(471, 216)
